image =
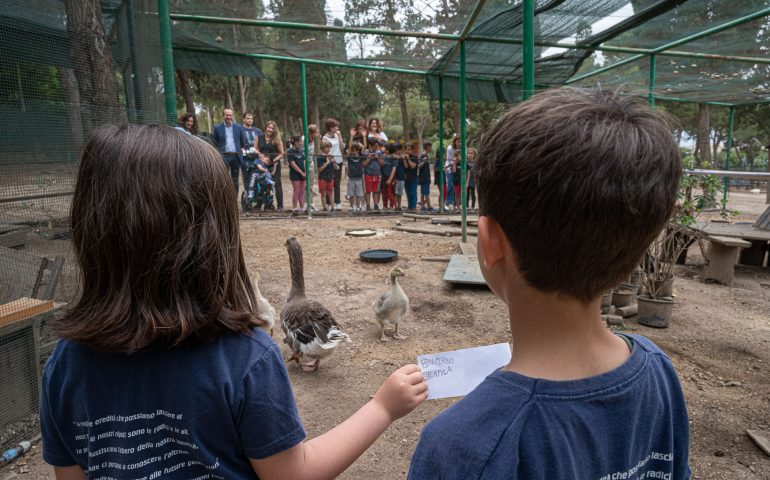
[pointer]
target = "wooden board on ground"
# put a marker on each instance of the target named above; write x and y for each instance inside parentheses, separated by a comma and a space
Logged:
(465, 270)
(761, 438)
(23, 308)
(763, 222)
(445, 231)
(12, 236)
(458, 219)
(734, 230)
(467, 248)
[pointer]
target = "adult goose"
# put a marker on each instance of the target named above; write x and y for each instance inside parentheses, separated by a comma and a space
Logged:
(310, 329)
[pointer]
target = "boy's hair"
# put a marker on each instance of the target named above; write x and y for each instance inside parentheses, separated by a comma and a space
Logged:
(155, 233)
(372, 141)
(356, 146)
(391, 147)
(398, 146)
(331, 123)
(580, 182)
(245, 114)
(326, 144)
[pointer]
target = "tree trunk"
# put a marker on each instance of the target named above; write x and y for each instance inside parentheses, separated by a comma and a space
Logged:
(186, 91)
(456, 118)
(228, 98)
(316, 114)
(704, 144)
(242, 91)
(91, 56)
(404, 110)
(71, 95)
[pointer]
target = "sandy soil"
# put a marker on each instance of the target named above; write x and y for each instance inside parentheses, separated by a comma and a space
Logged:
(719, 341)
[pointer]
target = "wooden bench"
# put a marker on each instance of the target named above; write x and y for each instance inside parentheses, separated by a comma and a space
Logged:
(722, 254)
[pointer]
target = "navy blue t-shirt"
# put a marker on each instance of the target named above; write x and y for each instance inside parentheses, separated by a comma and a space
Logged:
(355, 167)
(195, 411)
(400, 170)
(423, 172)
(411, 173)
(373, 168)
(630, 422)
(388, 166)
(296, 156)
(327, 173)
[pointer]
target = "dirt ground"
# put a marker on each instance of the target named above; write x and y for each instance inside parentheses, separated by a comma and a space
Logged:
(719, 340)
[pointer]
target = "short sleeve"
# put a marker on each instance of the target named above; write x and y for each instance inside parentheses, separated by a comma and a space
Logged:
(55, 451)
(267, 416)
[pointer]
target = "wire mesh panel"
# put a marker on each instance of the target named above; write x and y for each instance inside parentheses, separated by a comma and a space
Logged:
(65, 68)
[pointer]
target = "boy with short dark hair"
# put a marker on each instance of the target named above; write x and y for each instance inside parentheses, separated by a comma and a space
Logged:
(573, 187)
(423, 176)
(388, 177)
(372, 163)
(355, 177)
(326, 171)
(400, 175)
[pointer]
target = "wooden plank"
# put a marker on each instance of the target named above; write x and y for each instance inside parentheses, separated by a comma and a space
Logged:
(465, 270)
(447, 232)
(23, 308)
(13, 238)
(467, 248)
(435, 259)
(734, 230)
(472, 220)
(761, 438)
(729, 241)
(763, 222)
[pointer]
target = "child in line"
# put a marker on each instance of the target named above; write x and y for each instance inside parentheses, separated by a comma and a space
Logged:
(423, 176)
(470, 179)
(555, 174)
(388, 177)
(326, 172)
(161, 371)
(457, 178)
(400, 175)
(297, 174)
(452, 155)
(372, 172)
(411, 159)
(355, 177)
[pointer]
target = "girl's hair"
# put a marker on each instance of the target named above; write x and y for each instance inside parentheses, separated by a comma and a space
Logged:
(276, 138)
(456, 139)
(155, 233)
(361, 124)
(379, 124)
(331, 123)
(183, 119)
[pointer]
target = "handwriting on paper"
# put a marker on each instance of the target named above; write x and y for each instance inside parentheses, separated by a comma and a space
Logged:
(456, 373)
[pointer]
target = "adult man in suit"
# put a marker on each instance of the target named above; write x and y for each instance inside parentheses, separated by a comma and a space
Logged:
(230, 139)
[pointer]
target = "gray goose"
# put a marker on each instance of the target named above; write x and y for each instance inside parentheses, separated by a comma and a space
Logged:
(310, 329)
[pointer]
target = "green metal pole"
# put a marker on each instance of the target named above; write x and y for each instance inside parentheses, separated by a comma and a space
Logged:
(529, 48)
(308, 197)
(167, 54)
(730, 125)
(463, 192)
(442, 155)
(651, 96)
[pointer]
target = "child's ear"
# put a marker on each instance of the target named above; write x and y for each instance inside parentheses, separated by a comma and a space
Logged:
(492, 241)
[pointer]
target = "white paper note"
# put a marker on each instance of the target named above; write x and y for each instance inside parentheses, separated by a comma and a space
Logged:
(456, 373)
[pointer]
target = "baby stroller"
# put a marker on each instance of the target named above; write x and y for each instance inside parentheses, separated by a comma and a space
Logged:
(258, 194)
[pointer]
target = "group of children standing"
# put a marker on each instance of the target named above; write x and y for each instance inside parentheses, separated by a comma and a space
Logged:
(379, 172)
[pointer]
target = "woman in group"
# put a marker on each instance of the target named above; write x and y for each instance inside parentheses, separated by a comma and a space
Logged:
(186, 123)
(375, 129)
(334, 137)
(358, 134)
(271, 145)
(449, 190)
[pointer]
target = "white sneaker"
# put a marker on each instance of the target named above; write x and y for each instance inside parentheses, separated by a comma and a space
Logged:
(338, 206)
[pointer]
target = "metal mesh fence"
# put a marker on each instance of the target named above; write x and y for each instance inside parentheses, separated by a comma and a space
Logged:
(65, 67)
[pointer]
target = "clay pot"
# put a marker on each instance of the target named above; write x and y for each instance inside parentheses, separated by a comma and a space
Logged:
(624, 295)
(655, 312)
(664, 287)
(606, 302)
